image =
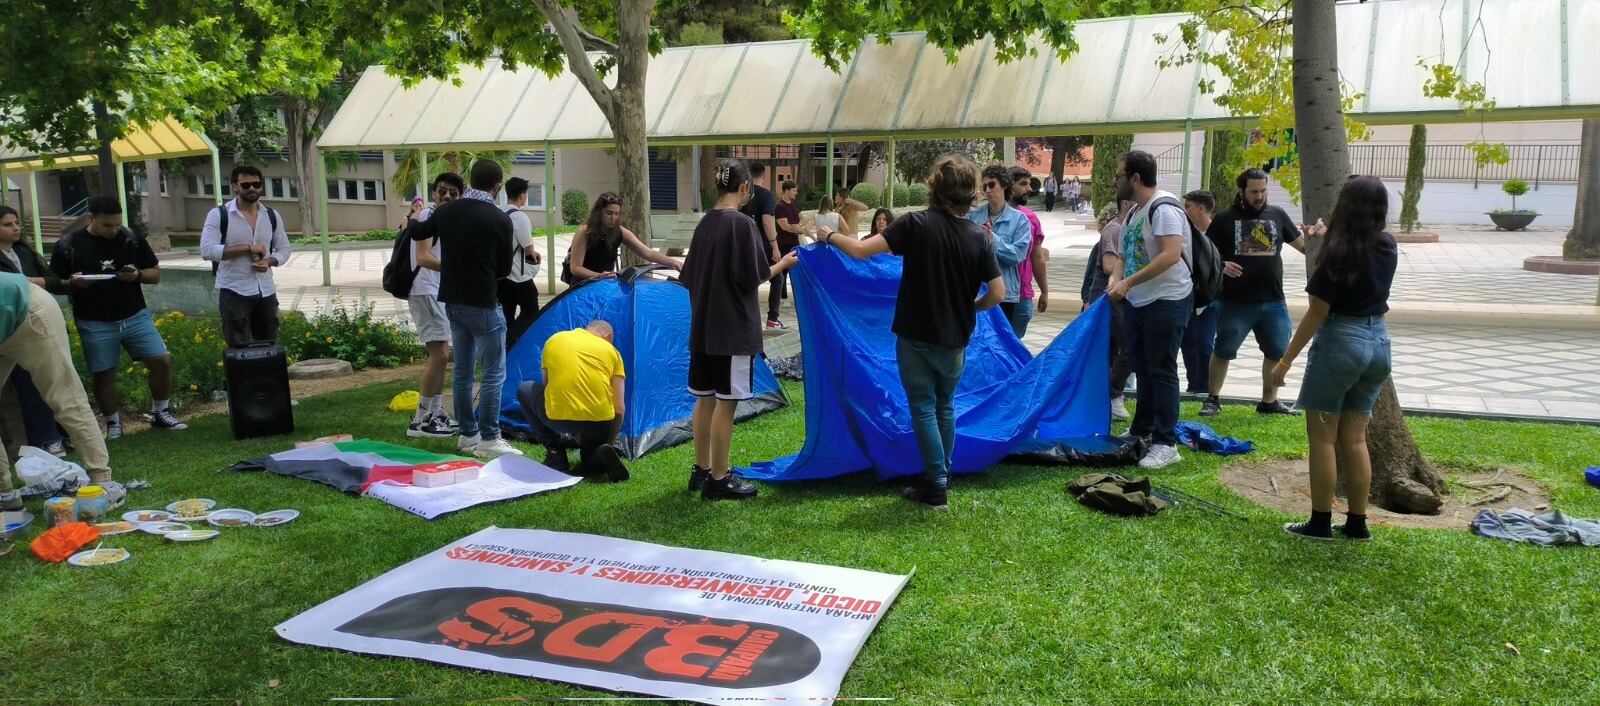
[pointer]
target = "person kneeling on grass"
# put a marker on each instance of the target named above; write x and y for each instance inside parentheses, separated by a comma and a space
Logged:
(947, 257)
(1350, 360)
(726, 265)
(579, 404)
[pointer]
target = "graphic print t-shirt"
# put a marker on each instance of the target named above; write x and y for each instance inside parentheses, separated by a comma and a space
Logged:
(1254, 241)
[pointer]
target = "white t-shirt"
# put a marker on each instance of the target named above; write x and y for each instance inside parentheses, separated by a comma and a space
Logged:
(1140, 245)
(427, 281)
(521, 238)
(831, 220)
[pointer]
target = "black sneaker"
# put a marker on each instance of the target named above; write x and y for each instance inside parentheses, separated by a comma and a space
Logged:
(1362, 536)
(611, 461)
(1303, 530)
(431, 427)
(556, 459)
(935, 498)
(698, 478)
(165, 420)
(729, 487)
(1276, 407)
(1211, 407)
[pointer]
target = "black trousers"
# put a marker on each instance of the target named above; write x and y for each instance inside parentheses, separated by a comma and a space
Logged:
(519, 301)
(558, 434)
(1049, 201)
(247, 320)
(778, 288)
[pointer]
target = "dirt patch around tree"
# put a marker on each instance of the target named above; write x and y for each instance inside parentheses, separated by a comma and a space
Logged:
(1286, 485)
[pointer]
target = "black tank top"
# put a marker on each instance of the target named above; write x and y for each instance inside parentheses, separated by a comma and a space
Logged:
(600, 253)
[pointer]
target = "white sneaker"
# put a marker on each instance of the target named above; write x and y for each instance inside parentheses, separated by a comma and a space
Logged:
(467, 443)
(1119, 409)
(495, 448)
(1160, 456)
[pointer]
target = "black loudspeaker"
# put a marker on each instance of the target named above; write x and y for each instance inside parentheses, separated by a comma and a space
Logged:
(258, 391)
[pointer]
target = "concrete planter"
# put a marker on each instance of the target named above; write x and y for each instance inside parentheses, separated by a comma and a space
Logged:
(1516, 220)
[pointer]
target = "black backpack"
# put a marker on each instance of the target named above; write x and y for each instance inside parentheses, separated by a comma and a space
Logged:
(399, 274)
(222, 229)
(1204, 262)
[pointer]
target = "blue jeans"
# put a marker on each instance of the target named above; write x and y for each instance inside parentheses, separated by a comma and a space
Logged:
(103, 341)
(1269, 321)
(37, 419)
(1019, 313)
(478, 334)
(929, 373)
(1348, 362)
(1198, 341)
(1154, 332)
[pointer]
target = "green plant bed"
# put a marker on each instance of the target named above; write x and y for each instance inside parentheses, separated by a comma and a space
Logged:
(1020, 595)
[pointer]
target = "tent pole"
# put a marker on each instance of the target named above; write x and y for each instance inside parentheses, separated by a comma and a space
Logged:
(322, 202)
(550, 219)
(889, 180)
(1188, 141)
(33, 205)
(122, 191)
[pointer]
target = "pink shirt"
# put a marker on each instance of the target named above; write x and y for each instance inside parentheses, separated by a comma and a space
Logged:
(1025, 268)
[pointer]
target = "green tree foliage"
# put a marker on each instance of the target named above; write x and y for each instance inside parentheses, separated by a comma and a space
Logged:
(1514, 188)
(737, 21)
(917, 194)
(1416, 162)
(902, 196)
(1103, 178)
(409, 162)
(574, 206)
(868, 194)
(914, 159)
(698, 34)
(1225, 159)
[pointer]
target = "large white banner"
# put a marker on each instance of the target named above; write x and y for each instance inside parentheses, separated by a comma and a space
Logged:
(620, 615)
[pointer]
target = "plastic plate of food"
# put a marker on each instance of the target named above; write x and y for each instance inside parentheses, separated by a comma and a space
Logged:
(275, 518)
(137, 516)
(112, 529)
(98, 557)
(162, 529)
(97, 278)
(231, 518)
(192, 510)
(193, 535)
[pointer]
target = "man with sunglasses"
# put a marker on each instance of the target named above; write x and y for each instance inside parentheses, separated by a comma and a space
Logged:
(246, 239)
(1011, 234)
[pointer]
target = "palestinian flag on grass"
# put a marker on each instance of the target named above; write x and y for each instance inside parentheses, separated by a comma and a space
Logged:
(350, 466)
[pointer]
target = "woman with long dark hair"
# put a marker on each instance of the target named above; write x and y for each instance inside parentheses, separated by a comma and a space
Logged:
(1349, 361)
(599, 241)
(880, 221)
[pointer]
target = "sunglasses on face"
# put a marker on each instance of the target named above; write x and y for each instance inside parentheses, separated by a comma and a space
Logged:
(990, 185)
(248, 186)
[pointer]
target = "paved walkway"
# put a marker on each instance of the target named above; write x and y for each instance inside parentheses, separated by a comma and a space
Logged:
(1473, 333)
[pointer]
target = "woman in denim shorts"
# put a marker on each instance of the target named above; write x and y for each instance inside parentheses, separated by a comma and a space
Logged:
(1349, 360)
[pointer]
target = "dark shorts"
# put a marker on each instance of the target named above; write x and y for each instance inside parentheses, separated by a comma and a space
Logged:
(1268, 320)
(727, 377)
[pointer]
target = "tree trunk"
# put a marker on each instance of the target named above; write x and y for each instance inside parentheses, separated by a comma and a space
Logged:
(303, 160)
(1402, 480)
(863, 161)
(1226, 156)
(1416, 162)
(1583, 241)
(806, 169)
(627, 117)
(708, 173)
(108, 162)
(1058, 158)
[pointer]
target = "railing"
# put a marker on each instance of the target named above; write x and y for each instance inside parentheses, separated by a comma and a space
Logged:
(1170, 161)
(78, 209)
(1536, 164)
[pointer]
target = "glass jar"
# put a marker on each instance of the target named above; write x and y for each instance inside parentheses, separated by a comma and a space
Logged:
(60, 511)
(93, 504)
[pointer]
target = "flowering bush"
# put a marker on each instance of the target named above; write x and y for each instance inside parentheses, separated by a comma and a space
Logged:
(196, 345)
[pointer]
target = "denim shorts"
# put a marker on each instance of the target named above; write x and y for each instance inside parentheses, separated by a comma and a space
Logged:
(1348, 363)
(1269, 321)
(103, 340)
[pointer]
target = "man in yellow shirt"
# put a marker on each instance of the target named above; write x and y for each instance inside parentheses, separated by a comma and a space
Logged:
(579, 403)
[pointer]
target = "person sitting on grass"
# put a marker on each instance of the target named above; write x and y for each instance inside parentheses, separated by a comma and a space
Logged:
(597, 244)
(1350, 360)
(947, 259)
(579, 403)
(727, 264)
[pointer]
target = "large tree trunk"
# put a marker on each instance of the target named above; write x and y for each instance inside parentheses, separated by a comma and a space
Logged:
(303, 160)
(1583, 241)
(108, 163)
(1402, 480)
(627, 117)
(806, 171)
(1058, 158)
(1416, 162)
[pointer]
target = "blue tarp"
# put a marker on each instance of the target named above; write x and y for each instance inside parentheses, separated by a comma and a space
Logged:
(651, 320)
(1200, 437)
(1008, 402)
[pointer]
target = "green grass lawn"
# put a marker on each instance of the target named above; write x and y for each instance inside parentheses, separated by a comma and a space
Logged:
(1020, 595)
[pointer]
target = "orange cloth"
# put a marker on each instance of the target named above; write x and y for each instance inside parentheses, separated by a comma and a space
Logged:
(58, 543)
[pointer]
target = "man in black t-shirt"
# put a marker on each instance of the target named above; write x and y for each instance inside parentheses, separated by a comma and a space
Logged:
(1250, 237)
(475, 239)
(104, 267)
(787, 218)
(762, 208)
(947, 259)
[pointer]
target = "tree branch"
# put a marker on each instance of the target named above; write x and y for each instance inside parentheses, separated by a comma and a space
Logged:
(565, 24)
(594, 42)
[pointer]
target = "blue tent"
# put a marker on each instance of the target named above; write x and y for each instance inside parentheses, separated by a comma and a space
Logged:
(651, 319)
(1009, 403)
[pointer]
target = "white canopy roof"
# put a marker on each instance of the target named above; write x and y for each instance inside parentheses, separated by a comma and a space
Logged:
(1543, 66)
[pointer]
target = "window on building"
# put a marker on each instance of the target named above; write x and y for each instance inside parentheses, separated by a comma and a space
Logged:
(282, 188)
(536, 196)
(200, 185)
(356, 190)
